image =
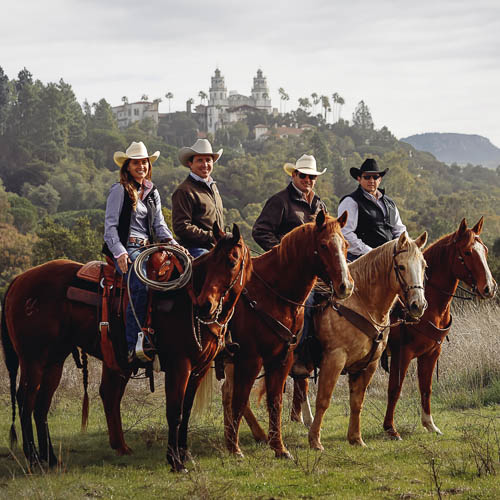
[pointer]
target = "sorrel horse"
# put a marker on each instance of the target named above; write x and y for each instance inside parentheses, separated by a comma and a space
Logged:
(353, 335)
(460, 255)
(40, 327)
(270, 315)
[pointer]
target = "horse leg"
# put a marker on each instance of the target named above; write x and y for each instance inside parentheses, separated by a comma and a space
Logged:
(399, 367)
(331, 367)
(29, 383)
(176, 383)
(357, 390)
(275, 382)
(51, 379)
(426, 364)
(301, 409)
(244, 374)
(111, 391)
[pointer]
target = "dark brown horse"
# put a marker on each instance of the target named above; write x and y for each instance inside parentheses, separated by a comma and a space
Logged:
(457, 256)
(40, 327)
(282, 279)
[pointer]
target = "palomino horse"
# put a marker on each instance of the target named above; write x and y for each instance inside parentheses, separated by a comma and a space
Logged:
(40, 327)
(270, 315)
(395, 268)
(457, 256)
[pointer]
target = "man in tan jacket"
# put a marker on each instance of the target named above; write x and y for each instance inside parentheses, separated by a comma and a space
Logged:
(196, 203)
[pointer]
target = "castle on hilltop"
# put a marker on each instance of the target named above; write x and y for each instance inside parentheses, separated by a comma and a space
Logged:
(223, 109)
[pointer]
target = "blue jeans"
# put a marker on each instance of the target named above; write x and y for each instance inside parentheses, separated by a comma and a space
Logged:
(197, 252)
(351, 257)
(308, 317)
(139, 296)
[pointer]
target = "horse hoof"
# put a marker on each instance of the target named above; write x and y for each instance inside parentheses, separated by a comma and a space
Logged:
(358, 442)
(316, 446)
(124, 450)
(179, 469)
(284, 454)
(393, 434)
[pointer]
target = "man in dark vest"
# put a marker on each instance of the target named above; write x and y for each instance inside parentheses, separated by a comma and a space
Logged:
(373, 217)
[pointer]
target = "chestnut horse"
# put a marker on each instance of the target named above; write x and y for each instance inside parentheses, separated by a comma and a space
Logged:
(457, 256)
(271, 313)
(40, 327)
(395, 268)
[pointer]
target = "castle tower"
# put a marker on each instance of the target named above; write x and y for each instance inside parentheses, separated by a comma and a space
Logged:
(218, 90)
(260, 92)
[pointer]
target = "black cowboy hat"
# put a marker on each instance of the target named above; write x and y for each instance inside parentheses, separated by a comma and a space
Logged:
(369, 167)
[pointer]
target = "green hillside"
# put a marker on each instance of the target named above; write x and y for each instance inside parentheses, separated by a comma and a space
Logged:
(56, 169)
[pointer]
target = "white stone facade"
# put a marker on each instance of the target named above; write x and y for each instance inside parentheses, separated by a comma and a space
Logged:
(129, 113)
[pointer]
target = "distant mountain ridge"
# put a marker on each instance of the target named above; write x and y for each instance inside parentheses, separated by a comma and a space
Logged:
(457, 148)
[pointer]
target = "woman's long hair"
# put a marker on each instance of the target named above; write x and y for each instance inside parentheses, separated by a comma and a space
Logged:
(130, 185)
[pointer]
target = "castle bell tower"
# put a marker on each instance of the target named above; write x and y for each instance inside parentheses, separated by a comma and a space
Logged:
(260, 92)
(218, 90)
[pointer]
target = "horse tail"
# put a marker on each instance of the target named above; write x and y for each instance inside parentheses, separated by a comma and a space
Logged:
(204, 393)
(85, 404)
(12, 363)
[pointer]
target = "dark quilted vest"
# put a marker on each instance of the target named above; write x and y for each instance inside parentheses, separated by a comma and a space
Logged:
(374, 228)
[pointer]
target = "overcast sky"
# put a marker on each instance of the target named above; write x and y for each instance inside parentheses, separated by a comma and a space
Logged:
(420, 66)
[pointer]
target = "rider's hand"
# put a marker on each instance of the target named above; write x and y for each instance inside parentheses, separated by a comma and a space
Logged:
(123, 262)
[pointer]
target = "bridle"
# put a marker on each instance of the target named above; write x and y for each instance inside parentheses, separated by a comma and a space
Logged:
(401, 281)
(197, 321)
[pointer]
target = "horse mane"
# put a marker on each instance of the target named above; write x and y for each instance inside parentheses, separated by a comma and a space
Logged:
(437, 251)
(367, 269)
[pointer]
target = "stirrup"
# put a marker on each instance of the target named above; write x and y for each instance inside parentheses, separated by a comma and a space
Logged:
(143, 349)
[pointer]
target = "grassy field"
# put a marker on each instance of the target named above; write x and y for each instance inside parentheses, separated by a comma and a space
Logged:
(463, 463)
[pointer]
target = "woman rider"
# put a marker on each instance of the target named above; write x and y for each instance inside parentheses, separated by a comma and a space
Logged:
(134, 219)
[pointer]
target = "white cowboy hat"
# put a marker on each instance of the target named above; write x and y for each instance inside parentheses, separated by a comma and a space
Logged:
(200, 147)
(137, 151)
(306, 164)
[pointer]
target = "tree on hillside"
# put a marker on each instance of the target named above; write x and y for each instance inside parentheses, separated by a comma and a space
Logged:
(325, 104)
(340, 102)
(4, 99)
(283, 98)
(125, 99)
(144, 97)
(362, 117)
(203, 96)
(304, 103)
(320, 150)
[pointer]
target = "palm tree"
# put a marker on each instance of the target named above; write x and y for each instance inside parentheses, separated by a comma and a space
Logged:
(283, 97)
(325, 104)
(169, 96)
(316, 100)
(125, 99)
(304, 103)
(144, 97)
(335, 98)
(203, 96)
(340, 102)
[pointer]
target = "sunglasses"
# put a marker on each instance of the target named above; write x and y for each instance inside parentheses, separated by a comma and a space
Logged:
(303, 176)
(373, 176)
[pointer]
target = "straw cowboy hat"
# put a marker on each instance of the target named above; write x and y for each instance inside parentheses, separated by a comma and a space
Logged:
(200, 147)
(135, 151)
(369, 167)
(306, 164)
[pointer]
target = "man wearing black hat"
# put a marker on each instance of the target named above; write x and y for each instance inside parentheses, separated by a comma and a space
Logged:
(373, 217)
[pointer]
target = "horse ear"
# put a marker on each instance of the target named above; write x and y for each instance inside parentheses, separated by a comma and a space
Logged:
(421, 240)
(402, 241)
(342, 220)
(462, 228)
(218, 234)
(479, 226)
(320, 219)
(236, 234)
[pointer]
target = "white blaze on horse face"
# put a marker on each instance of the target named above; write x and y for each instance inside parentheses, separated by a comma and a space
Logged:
(490, 283)
(415, 267)
(344, 270)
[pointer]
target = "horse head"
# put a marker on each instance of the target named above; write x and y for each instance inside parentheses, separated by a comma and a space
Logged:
(470, 263)
(227, 267)
(331, 251)
(409, 271)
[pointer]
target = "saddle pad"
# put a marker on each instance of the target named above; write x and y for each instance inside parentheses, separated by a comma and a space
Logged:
(85, 296)
(91, 271)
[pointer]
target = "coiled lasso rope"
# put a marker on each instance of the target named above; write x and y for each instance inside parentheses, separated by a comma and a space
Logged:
(166, 286)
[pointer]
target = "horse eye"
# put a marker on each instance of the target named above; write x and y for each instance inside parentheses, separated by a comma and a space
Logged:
(468, 253)
(323, 246)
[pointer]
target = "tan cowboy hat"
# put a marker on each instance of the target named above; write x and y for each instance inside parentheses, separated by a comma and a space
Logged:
(137, 151)
(306, 164)
(200, 147)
